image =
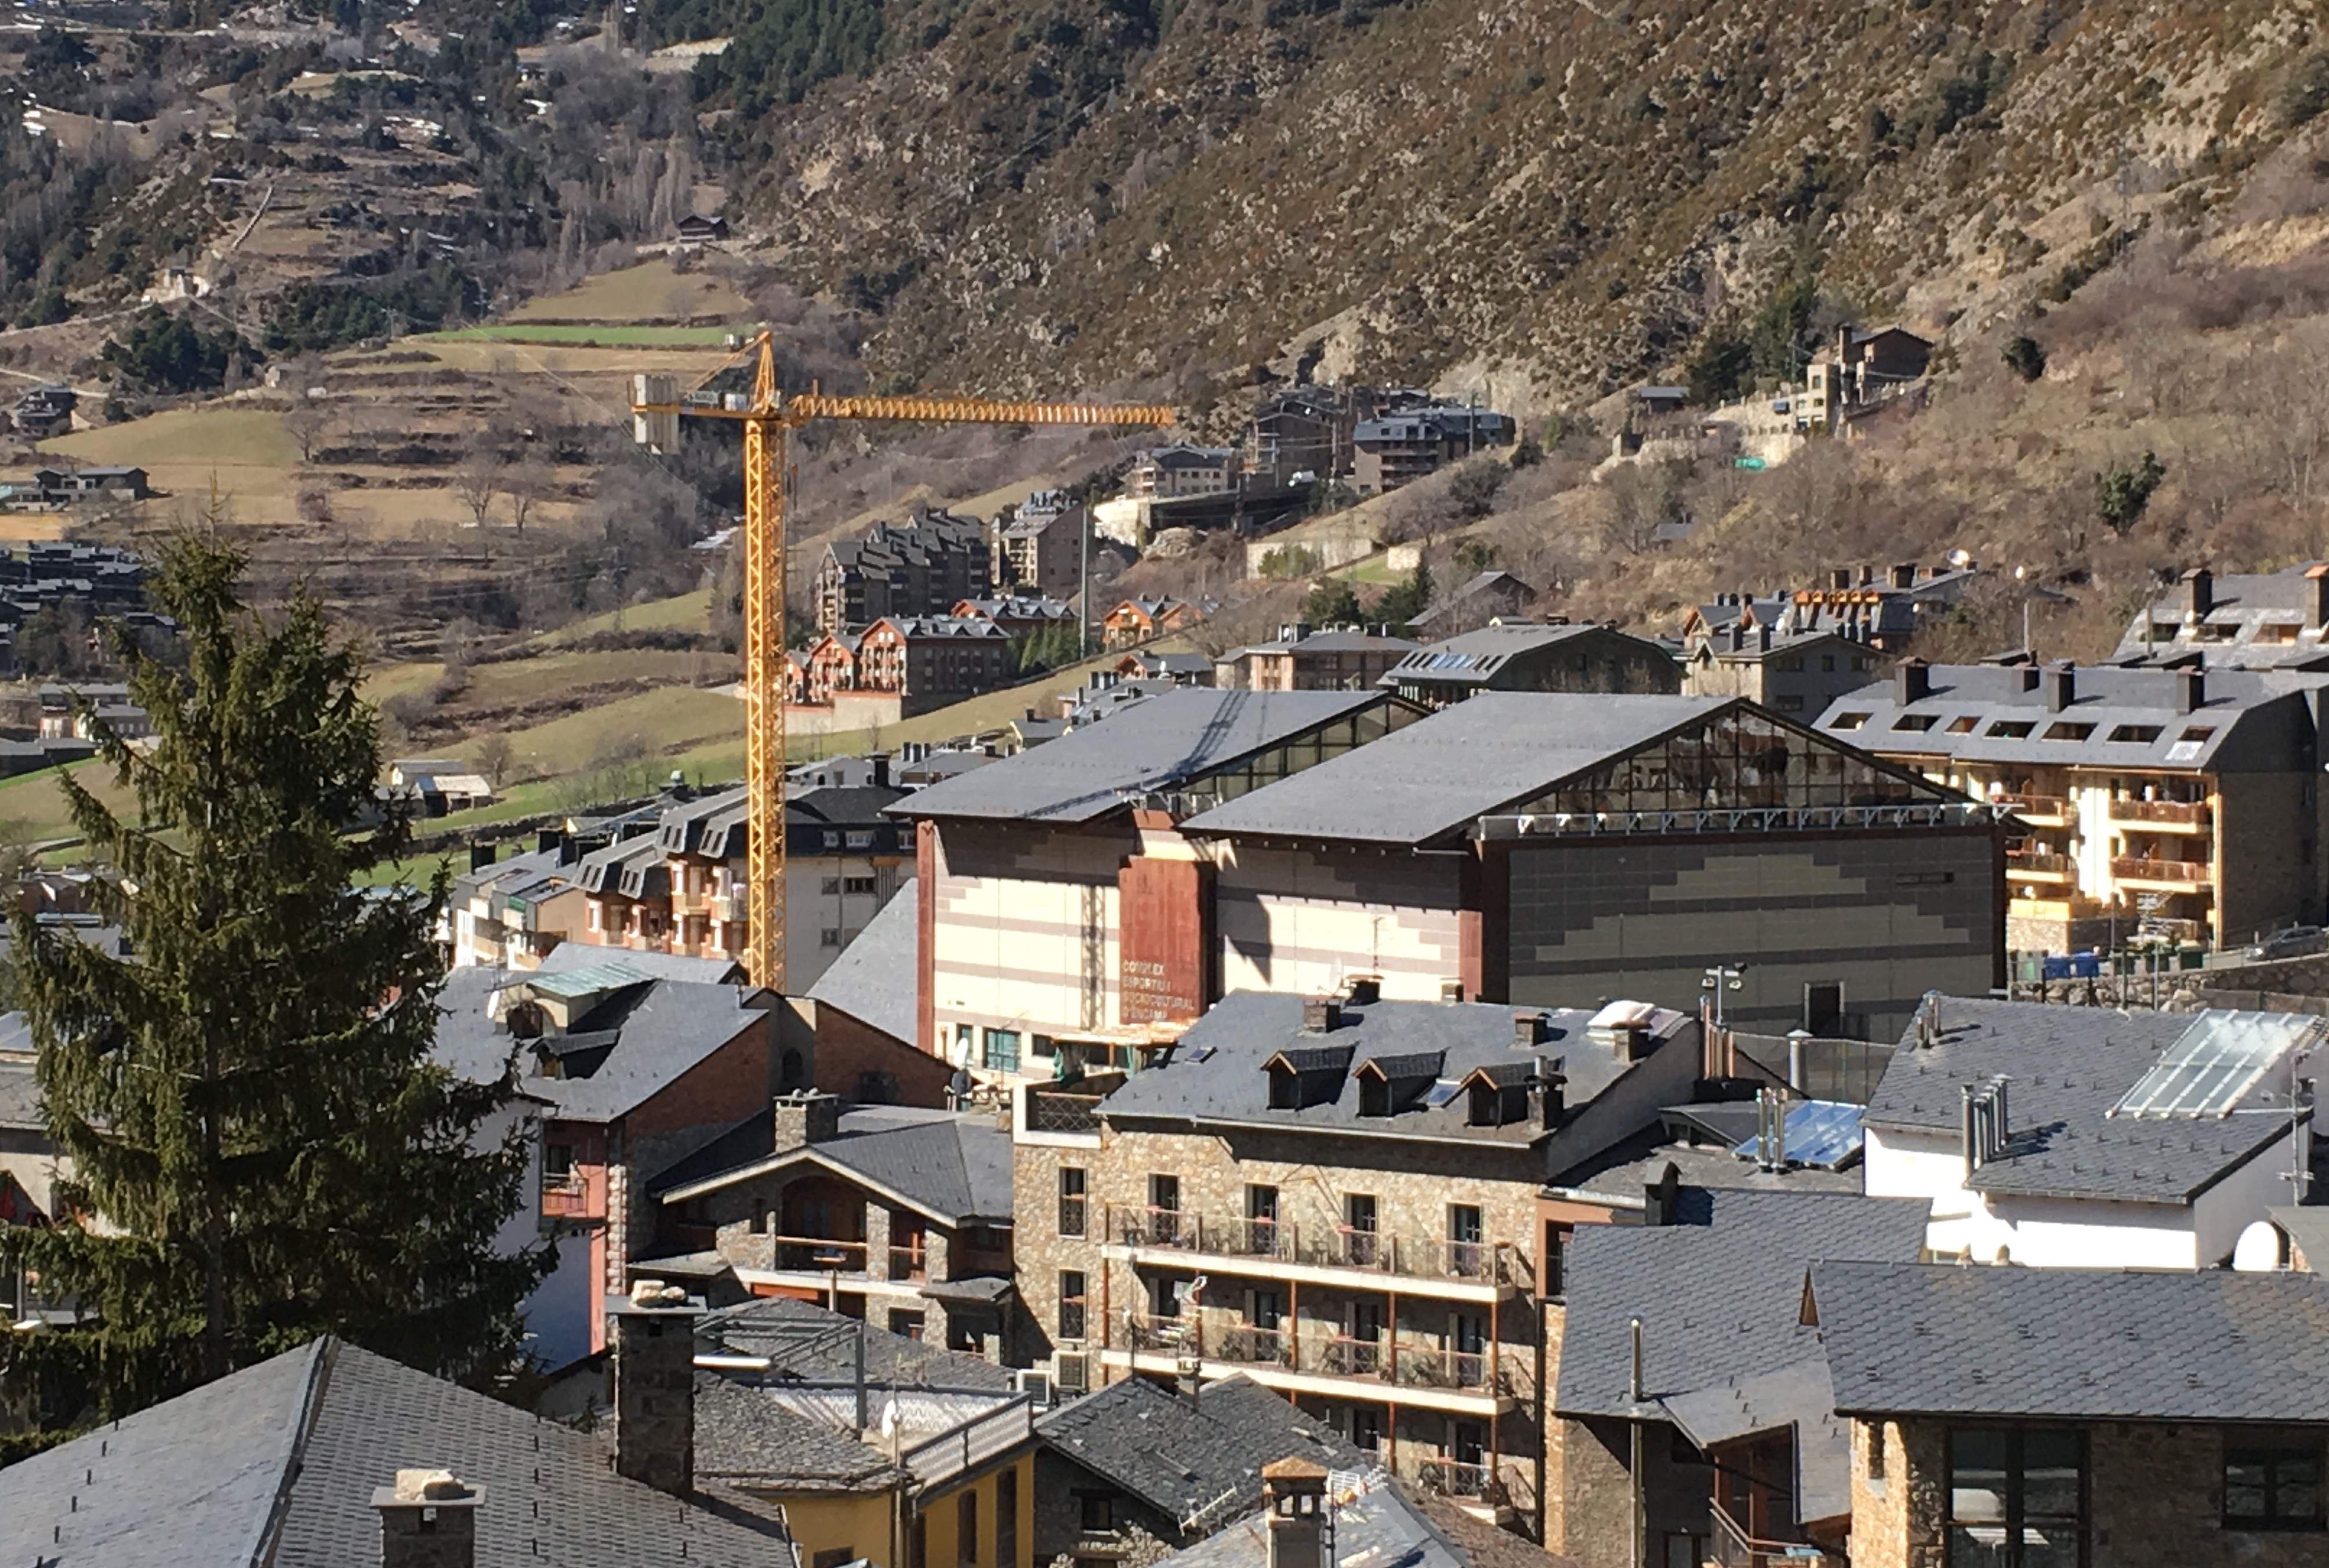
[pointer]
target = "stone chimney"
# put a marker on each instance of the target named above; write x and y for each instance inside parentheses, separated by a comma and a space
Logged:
(427, 1519)
(803, 1118)
(2319, 576)
(1912, 681)
(2061, 686)
(1321, 1014)
(1905, 576)
(2191, 690)
(655, 1386)
(2199, 592)
(1301, 1528)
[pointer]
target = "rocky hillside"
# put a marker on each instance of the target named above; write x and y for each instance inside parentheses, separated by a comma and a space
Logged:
(1544, 199)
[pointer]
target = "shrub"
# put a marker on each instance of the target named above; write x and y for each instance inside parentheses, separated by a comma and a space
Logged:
(2026, 357)
(1331, 603)
(1474, 489)
(1289, 561)
(2121, 494)
(2307, 92)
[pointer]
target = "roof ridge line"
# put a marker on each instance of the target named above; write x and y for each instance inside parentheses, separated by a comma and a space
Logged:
(323, 1355)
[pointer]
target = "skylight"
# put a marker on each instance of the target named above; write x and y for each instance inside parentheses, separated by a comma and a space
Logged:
(2213, 1064)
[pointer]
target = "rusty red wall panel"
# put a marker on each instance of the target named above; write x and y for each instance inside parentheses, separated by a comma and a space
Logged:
(1163, 939)
(926, 946)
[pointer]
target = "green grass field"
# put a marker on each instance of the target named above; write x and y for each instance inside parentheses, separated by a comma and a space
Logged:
(588, 337)
(687, 612)
(649, 289)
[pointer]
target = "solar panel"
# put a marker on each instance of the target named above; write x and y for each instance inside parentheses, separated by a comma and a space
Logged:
(2213, 1064)
(1441, 1093)
(1820, 1133)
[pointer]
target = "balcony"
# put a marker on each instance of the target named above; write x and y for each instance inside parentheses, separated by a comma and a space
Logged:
(1055, 1110)
(1248, 1346)
(2039, 810)
(819, 1255)
(2040, 865)
(1464, 1480)
(565, 1200)
(2164, 815)
(2174, 875)
(1458, 1267)
(1296, 1358)
(1732, 1547)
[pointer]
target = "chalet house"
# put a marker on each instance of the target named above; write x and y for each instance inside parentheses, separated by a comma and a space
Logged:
(1181, 669)
(918, 569)
(1522, 657)
(875, 1448)
(1020, 615)
(2032, 1416)
(76, 711)
(2255, 621)
(638, 1071)
(511, 913)
(1181, 468)
(702, 229)
(1337, 1199)
(1862, 368)
(1134, 1460)
(1057, 898)
(1548, 848)
(2057, 1137)
(1394, 449)
(2183, 804)
(1138, 620)
(117, 482)
(45, 411)
(1691, 1416)
(390, 1465)
(1336, 658)
(830, 666)
(1483, 597)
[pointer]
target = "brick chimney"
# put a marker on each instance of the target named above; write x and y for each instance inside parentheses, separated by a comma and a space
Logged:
(1300, 1526)
(427, 1519)
(655, 1386)
(1529, 1027)
(2061, 686)
(1321, 1014)
(803, 1118)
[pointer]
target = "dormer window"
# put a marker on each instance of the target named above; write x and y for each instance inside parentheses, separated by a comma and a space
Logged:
(1496, 1096)
(1374, 1095)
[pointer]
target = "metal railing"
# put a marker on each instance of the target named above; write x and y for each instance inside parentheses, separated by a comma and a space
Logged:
(1074, 1215)
(1472, 1481)
(2037, 863)
(1249, 1346)
(1733, 1547)
(1148, 1331)
(1344, 1356)
(1376, 1251)
(1740, 819)
(974, 1442)
(2026, 805)
(1054, 1110)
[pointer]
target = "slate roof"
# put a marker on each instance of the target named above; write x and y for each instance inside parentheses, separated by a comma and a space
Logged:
(1475, 658)
(872, 980)
(2240, 604)
(1196, 1465)
(2072, 1343)
(1375, 1522)
(19, 1097)
(1623, 1170)
(1239, 1034)
(2307, 1230)
(1795, 1396)
(2065, 1068)
(1181, 735)
(774, 1326)
(955, 1167)
(568, 957)
(2250, 720)
(1340, 639)
(1717, 1295)
(744, 1436)
(278, 1463)
(656, 1032)
(1432, 779)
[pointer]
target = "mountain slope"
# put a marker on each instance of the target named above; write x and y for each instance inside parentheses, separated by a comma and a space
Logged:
(1546, 198)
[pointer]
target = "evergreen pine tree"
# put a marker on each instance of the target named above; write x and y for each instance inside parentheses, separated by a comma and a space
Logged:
(262, 1150)
(1403, 601)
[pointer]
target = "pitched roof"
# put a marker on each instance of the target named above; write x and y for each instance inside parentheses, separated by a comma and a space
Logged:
(2100, 1344)
(652, 1032)
(567, 957)
(1476, 658)
(873, 979)
(278, 1463)
(745, 1435)
(955, 1167)
(786, 1332)
(1198, 1464)
(1375, 1522)
(1714, 1296)
(1795, 1396)
(1435, 777)
(1181, 735)
(2065, 1068)
(1216, 1072)
(19, 1097)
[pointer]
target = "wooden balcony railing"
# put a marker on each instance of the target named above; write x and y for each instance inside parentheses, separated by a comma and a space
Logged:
(820, 1255)
(2184, 873)
(2191, 813)
(2037, 863)
(565, 1200)
(2031, 806)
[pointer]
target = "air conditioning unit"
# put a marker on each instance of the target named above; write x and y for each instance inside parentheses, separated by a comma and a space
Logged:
(1071, 1371)
(1037, 1381)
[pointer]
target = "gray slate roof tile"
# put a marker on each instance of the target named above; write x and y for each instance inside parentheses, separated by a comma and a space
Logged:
(2072, 1343)
(872, 980)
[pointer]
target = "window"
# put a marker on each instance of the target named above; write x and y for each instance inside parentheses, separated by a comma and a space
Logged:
(1367, 1429)
(1262, 1220)
(857, 884)
(832, 841)
(1360, 1245)
(2013, 728)
(2273, 1485)
(1071, 1304)
(966, 1527)
(1464, 1249)
(1006, 1517)
(1849, 721)
(1862, 663)
(1557, 1235)
(1097, 1513)
(1789, 662)
(1916, 722)
(2198, 732)
(861, 838)
(833, 1557)
(1963, 724)
(2136, 734)
(2017, 1498)
(1789, 703)
(1164, 1209)
(1003, 1050)
(828, 937)
(2063, 730)
(557, 1163)
(1072, 1191)
(1876, 1453)
(832, 886)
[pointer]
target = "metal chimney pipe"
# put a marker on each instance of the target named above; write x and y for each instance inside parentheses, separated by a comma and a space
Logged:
(1634, 1387)
(1971, 1148)
(1778, 1132)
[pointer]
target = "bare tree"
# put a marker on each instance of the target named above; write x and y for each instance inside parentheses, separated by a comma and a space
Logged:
(526, 484)
(492, 756)
(478, 480)
(307, 423)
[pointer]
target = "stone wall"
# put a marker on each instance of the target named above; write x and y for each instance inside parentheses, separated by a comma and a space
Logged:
(1597, 1496)
(2268, 849)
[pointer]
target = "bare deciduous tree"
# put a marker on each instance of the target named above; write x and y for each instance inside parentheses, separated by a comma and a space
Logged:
(526, 484)
(477, 481)
(306, 422)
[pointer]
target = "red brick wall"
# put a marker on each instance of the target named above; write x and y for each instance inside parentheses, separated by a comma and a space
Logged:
(847, 1046)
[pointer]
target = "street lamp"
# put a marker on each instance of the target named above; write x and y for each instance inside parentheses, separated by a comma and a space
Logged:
(1719, 979)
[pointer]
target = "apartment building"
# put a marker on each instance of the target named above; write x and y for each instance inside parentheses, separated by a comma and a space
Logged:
(1138, 619)
(1795, 673)
(895, 1214)
(1335, 658)
(1550, 849)
(2077, 1137)
(1398, 447)
(1058, 898)
(1181, 469)
(1524, 657)
(680, 888)
(514, 913)
(1041, 550)
(2244, 620)
(2024, 1417)
(1337, 1199)
(917, 568)
(2183, 805)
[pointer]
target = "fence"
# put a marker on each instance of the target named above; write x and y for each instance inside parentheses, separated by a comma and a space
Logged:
(1843, 1070)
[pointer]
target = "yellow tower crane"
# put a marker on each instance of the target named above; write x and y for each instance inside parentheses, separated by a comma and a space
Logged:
(767, 416)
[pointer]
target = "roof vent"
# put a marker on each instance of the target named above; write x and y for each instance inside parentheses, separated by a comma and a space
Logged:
(1321, 1014)
(1529, 1028)
(1362, 991)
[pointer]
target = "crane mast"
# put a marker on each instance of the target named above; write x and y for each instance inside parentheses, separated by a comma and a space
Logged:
(768, 419)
